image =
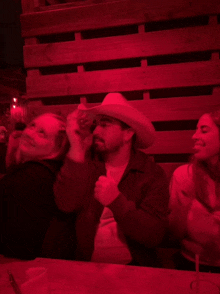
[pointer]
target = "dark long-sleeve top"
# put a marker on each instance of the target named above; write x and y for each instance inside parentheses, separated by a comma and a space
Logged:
(140, 210)
(26, 208)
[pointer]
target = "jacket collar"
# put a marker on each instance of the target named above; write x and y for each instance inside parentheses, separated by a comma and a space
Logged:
(138, 161)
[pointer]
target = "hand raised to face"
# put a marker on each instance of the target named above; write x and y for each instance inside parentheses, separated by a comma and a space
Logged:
(78, 130)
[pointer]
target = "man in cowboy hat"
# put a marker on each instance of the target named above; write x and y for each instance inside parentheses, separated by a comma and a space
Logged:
(121, 195)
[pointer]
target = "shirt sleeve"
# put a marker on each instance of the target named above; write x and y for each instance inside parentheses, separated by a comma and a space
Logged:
(74, 184)
(146, 223)
(33, 186)
(28, 208)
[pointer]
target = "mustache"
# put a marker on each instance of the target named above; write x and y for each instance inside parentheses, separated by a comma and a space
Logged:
(95, 137)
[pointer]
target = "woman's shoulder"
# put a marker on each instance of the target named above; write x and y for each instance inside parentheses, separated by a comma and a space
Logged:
(183, 171)
(40, 170)
(182, 184)
(183, 175)
(52, 166)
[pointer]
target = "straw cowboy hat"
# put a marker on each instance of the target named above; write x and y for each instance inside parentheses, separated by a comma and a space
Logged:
(116, 106)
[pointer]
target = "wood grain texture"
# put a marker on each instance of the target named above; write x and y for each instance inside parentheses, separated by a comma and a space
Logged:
(181, 108)
(165, 109)
(67, 277)
(112, 14)
(172, 142)
(152, 77)
(167, 42)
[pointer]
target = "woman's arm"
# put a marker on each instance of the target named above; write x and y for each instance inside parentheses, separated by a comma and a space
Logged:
(180, 203)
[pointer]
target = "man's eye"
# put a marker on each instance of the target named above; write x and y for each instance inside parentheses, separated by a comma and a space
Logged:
(102, 123)
(31, 125)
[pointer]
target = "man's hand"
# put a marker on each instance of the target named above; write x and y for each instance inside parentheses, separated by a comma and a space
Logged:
(79, 134)
(13, 144)
(106, 190)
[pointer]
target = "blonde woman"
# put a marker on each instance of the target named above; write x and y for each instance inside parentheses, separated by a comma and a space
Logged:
(27, 202)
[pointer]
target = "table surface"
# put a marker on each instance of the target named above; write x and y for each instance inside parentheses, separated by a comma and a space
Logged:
(97, 278)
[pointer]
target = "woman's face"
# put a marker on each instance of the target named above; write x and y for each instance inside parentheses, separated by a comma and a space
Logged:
(39, 137)
(206, 140)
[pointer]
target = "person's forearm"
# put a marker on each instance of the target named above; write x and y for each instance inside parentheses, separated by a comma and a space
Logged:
(70, 186)
(77, 155)
(138, 224)
(178, 223)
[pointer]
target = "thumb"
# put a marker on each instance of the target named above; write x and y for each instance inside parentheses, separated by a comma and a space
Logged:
(109, 175)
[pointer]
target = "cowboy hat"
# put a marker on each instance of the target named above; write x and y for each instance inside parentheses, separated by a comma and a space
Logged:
(116, 106)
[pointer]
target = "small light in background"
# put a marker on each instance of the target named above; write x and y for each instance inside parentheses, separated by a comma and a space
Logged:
(18, 110)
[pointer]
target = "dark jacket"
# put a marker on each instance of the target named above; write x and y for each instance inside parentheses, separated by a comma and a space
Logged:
(140, 210)
(27, 207)
(3, 149)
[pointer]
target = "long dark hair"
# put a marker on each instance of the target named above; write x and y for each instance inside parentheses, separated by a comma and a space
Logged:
(202, 171)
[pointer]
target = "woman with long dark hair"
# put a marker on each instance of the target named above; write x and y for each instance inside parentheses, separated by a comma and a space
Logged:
(195, 199)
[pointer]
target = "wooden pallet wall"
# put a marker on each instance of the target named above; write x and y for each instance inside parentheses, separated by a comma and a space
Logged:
(163, 55)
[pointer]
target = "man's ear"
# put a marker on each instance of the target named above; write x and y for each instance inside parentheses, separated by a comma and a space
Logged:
(128, 134)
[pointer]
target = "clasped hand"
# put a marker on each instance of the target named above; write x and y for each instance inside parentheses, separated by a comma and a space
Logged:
(106, 190)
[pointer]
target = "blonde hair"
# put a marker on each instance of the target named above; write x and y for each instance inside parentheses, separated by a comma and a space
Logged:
(61, 140)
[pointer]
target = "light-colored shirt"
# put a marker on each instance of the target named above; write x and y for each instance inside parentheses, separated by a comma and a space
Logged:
(191, 221)
(110, 243)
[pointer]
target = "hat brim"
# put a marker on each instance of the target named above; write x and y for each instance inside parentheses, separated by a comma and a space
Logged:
(145, 132)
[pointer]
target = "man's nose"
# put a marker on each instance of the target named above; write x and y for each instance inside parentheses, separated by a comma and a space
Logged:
(96, 130)
(195, 135)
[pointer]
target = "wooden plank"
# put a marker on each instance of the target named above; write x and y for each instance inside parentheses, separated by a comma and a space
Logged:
(181, 108)
(72, 3)
(112, 14)
(53, 2)
(33, 5)
(172, 142)
(139, 45)
(152, 77)
(165, 109)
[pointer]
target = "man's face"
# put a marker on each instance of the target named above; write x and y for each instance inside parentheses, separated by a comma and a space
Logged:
(109, 136)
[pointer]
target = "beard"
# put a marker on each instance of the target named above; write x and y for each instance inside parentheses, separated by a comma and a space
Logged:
(100, 147)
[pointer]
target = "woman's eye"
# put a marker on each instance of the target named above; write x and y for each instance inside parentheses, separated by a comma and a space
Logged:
(42, 133)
